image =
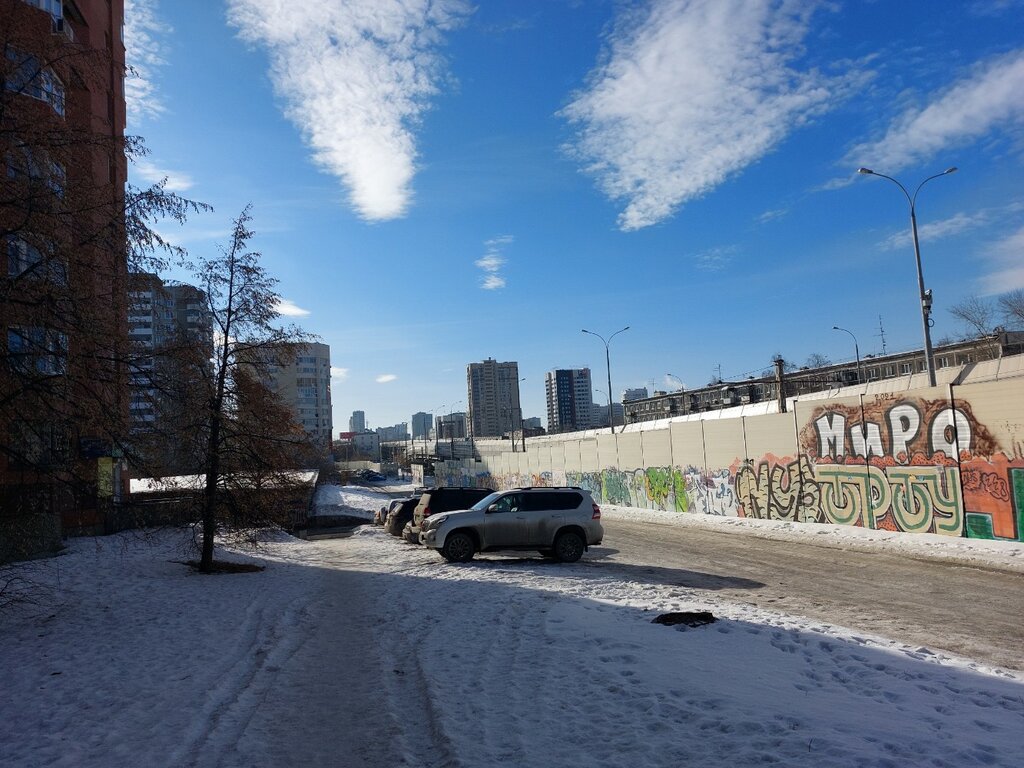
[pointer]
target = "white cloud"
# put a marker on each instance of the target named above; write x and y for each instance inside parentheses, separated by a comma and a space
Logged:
(144, 56)
(492, 262)
(715, 259)
(987, 100)
(767, 216)
(290, 309)
(992, 218)
(355, 77)
(838, 183)
(491, 282)
(994, 7)
(339, 374)
(961, 222)
(176, 181)
(1006, 256)
(692, 92)
(384, 378)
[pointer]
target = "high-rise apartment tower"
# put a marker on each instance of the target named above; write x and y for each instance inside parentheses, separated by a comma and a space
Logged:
(493, 397)
(569, 399)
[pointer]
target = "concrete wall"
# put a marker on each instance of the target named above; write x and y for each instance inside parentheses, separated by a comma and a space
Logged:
(948, 460)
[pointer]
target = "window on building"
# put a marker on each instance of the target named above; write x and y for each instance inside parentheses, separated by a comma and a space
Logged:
(25, 165)
(31, 78)
(38, 350)
(905, 368)
(53, 7)
(21, 257)
(39, 444)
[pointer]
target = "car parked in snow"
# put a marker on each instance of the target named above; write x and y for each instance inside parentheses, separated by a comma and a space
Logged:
(558, 522)
(437, 500)
(380, 517)
(400, 516)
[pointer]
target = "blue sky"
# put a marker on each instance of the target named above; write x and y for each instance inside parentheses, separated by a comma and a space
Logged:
(435, 182)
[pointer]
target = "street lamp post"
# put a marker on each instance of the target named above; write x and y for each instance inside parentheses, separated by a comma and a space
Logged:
(451, 426)
(598, 389)
(680, 390)
(608, 364)
(926, 296)
(856, 350)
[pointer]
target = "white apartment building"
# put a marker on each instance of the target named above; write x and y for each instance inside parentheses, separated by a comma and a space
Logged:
(492, 390)
(306, 386)
(634, 394)
(357, 422)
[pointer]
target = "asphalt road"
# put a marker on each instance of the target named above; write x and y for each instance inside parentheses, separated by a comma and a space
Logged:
(970, 611)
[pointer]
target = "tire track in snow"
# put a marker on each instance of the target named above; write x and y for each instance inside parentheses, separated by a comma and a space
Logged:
(264, 647)
(409, 684)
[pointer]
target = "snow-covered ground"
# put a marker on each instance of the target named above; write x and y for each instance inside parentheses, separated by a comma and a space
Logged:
(367, 651)
(355, 500)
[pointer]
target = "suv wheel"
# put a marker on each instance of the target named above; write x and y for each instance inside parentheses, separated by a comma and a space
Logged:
(568, 547)
(458, 548)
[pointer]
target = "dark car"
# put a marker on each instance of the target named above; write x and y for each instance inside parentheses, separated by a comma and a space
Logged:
(380, 517)
(437, 500)
(399, 516)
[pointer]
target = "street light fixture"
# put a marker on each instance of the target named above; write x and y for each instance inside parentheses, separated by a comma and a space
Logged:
(608, 364)
(926, 296)
(670, 410)
(598, 389)
(856, 350)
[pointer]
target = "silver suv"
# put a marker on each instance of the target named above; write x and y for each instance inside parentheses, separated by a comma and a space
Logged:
(557, 522)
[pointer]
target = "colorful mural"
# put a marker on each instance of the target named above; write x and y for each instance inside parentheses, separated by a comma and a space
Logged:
(994, 497)
(892, 462)
(918, 498)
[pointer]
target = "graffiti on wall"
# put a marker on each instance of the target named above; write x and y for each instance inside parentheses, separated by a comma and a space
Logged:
(915, 498)
(672, 489)
(894, 463)
(994, 497)
(892, 431)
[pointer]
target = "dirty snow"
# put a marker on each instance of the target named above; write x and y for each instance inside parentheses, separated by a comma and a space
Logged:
(367, 651)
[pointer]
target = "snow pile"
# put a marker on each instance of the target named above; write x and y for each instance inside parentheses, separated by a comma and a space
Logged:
(367, 651)
(355, 500)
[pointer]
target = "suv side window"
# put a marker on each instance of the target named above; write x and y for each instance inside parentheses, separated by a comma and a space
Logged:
(510, 502)
(551, 500)
(566, 500)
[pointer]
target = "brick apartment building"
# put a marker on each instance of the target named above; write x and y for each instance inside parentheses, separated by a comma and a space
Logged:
(63, 293)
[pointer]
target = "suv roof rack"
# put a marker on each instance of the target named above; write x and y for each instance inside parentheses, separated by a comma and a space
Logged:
(547, 488)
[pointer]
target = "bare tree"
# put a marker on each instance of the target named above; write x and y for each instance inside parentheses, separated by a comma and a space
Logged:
(1011, 304)
(817, 360)
(251, 437)
(977, 314)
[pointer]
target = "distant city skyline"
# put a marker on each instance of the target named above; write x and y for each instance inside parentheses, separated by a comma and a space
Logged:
(684, 168)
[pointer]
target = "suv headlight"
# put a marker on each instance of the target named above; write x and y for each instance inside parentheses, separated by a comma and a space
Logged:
(435, 522)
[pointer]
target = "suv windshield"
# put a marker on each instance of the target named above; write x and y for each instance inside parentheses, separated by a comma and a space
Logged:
(486, 501)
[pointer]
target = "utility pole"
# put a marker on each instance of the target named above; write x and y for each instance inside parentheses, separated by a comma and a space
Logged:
(780, 382)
